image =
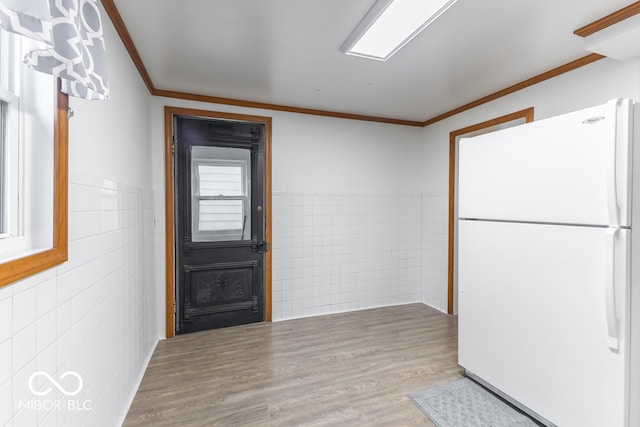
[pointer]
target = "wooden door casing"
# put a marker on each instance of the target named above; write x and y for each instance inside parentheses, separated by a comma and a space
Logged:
(218, 283)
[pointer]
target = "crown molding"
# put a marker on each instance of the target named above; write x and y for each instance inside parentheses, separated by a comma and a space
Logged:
(609, 20)
(114, 15)
(121, 29)
(580, 62)
(277, 107)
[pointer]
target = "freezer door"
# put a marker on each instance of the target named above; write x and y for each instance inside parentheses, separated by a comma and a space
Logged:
(571, 169)
(535, 309)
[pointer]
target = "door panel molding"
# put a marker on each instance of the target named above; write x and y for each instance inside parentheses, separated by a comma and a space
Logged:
(221, 266)
(170, 258)
(238, 269)
(527, 115)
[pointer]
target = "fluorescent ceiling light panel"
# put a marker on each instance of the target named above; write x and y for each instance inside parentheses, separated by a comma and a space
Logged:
(390, 24)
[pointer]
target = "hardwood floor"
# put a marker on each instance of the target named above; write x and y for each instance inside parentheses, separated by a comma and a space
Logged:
(345, 369)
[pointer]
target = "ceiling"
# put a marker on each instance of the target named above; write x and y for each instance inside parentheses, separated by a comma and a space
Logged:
(287, 52)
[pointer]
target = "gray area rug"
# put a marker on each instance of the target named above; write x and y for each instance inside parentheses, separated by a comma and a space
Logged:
(464, 403)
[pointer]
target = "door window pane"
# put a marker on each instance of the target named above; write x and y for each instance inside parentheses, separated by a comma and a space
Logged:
(221, 215)
(221, 195)
(220, 180)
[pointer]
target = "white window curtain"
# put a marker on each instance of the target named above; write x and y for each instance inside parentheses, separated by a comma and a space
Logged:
(70, 32)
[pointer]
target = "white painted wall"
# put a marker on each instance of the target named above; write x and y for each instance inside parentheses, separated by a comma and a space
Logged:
(587, 86)
(327, 155)
(111, 139)
(319, 154)
(93, 314)
(346, 210)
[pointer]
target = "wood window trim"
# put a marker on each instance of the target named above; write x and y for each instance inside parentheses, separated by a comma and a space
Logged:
(170, 259)
(20, 268)
(527, 115)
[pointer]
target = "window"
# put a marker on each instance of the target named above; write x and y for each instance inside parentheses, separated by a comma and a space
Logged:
(4, 227)
(33, 165)
(10, 156)
(10, 147)
(220, 200)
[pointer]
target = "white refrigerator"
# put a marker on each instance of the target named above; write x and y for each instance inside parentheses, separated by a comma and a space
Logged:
(548, 266)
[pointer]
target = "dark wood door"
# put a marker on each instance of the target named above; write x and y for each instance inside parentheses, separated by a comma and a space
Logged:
(220, 227)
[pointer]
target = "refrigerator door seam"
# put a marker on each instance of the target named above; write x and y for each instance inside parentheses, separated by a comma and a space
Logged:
(611, 171)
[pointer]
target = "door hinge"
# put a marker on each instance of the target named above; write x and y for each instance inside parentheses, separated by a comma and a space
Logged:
(174, 307)
(173, 145)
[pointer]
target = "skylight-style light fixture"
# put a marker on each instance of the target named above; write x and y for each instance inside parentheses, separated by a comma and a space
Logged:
(391, 24)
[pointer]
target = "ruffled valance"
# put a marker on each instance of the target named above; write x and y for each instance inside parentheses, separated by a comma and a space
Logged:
(72, 38)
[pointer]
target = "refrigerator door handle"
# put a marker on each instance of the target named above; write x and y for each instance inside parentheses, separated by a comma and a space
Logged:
(610, 291)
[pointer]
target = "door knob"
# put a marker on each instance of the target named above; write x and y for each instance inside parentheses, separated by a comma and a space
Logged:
(261, 246)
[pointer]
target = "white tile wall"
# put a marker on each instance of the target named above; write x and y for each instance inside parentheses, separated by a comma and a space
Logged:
(335, 252)
(94, 315)
(159, 262)
(435, 208)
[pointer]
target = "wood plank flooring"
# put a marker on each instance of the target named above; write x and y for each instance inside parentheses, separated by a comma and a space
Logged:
(348, 369)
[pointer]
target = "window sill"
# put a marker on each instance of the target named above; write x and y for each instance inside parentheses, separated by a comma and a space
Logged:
(26, 266)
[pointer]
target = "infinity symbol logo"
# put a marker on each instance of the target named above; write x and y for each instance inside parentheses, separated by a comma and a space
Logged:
(55, 383)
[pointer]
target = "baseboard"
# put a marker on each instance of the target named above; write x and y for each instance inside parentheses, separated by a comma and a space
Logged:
(440, 309)
(138, 381)
(305, 316)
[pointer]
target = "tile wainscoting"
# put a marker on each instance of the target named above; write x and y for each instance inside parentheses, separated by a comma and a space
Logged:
(435, 238)
(336, 252)
(94, 315)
